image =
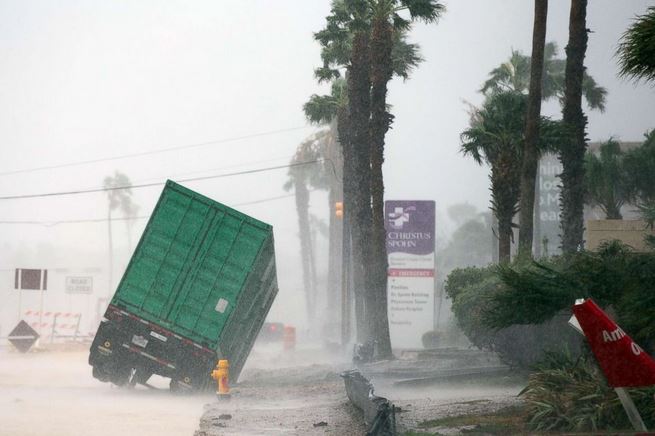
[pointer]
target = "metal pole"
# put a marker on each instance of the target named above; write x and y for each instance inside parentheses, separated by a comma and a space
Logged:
(345, 282)
(41, 314)
(630, 409)
(54, 331)
(440, 286)
(77, 327)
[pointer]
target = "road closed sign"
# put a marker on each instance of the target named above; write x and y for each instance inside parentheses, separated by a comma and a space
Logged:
(79, 285)
(410, 229)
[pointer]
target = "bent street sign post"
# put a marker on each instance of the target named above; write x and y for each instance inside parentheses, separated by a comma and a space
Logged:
(624, 363)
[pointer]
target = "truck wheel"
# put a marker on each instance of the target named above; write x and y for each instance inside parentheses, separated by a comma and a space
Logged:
(186, 385)
(120, 376)
(100, 374)
(175, 386)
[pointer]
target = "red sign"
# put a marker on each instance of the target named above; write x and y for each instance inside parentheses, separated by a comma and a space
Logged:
(403, 272)
(624, 363)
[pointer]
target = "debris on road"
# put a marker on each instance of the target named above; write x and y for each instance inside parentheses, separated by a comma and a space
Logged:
(379, 413)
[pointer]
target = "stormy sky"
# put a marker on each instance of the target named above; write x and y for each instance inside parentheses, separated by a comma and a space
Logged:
(224, 83)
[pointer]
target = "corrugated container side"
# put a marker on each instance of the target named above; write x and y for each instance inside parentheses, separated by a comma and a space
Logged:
(193, 265)
(252, 307)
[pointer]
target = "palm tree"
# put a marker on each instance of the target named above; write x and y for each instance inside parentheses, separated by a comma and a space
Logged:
(637, 48)
(386, 26)
(333, 109)
(350, 41)
(515, 73)
(531, 152)
(359, 109)
(607, 183)
(495, 137)
(334, 174)
(639, 164)
(300, 176)
(574, 120)
(119, 194)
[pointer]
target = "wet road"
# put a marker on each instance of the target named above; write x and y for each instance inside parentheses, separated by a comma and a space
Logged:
(54, 394)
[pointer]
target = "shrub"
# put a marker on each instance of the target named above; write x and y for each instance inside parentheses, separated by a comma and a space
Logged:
(473, 290)
(569, 394)
(615, 277)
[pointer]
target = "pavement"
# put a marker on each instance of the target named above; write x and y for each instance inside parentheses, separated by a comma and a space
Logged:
(286, 393)
(430, 384)
(300, 401)
(52, 392)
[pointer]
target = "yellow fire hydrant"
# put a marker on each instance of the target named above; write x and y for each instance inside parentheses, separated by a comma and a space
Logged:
(221, 374)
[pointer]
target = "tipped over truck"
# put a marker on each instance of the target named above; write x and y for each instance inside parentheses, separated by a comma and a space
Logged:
(197, 289)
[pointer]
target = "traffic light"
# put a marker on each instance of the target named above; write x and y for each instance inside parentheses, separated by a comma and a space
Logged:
(338, 209)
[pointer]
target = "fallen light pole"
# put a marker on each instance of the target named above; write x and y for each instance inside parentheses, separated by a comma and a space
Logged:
(379, 413)
(624, 363)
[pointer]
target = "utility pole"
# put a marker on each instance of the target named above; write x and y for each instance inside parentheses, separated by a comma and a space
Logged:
(345, 281)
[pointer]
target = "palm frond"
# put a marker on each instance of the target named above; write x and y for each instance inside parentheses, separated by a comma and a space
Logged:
(404, 55)
(594, 94)
(514, 75)
(428, 11)
(320, 109)
(636, 50)
(326, 74)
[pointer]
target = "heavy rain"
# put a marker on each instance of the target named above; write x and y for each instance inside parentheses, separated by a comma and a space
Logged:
(346, 217)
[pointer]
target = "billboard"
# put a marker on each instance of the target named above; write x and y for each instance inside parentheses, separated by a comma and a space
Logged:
(410, 229)
(547, 209)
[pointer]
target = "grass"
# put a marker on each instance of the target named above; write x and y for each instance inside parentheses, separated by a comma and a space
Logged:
(506, 421)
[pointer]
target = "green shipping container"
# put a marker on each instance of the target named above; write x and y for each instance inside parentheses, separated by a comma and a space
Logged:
(202, 274)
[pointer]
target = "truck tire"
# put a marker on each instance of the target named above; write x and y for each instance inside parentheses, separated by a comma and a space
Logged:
(100, 374)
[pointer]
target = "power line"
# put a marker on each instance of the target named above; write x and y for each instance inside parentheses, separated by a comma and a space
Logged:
(147, 185)
(147, 153)
(80, 221)
(226, 167)
(130, 218)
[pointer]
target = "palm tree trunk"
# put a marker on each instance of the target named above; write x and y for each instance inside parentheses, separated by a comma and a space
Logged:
(336, 228)
(381, 72)
(334, 241)
(613, 212)
(344, 126)
(302, 206)
(530, 151)
(359, 85)
(574, 120)
(505, 181)
(505, 238)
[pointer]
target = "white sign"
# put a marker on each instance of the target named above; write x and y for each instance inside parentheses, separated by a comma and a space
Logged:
(221, 305)
(79, 285)
(410, 249)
